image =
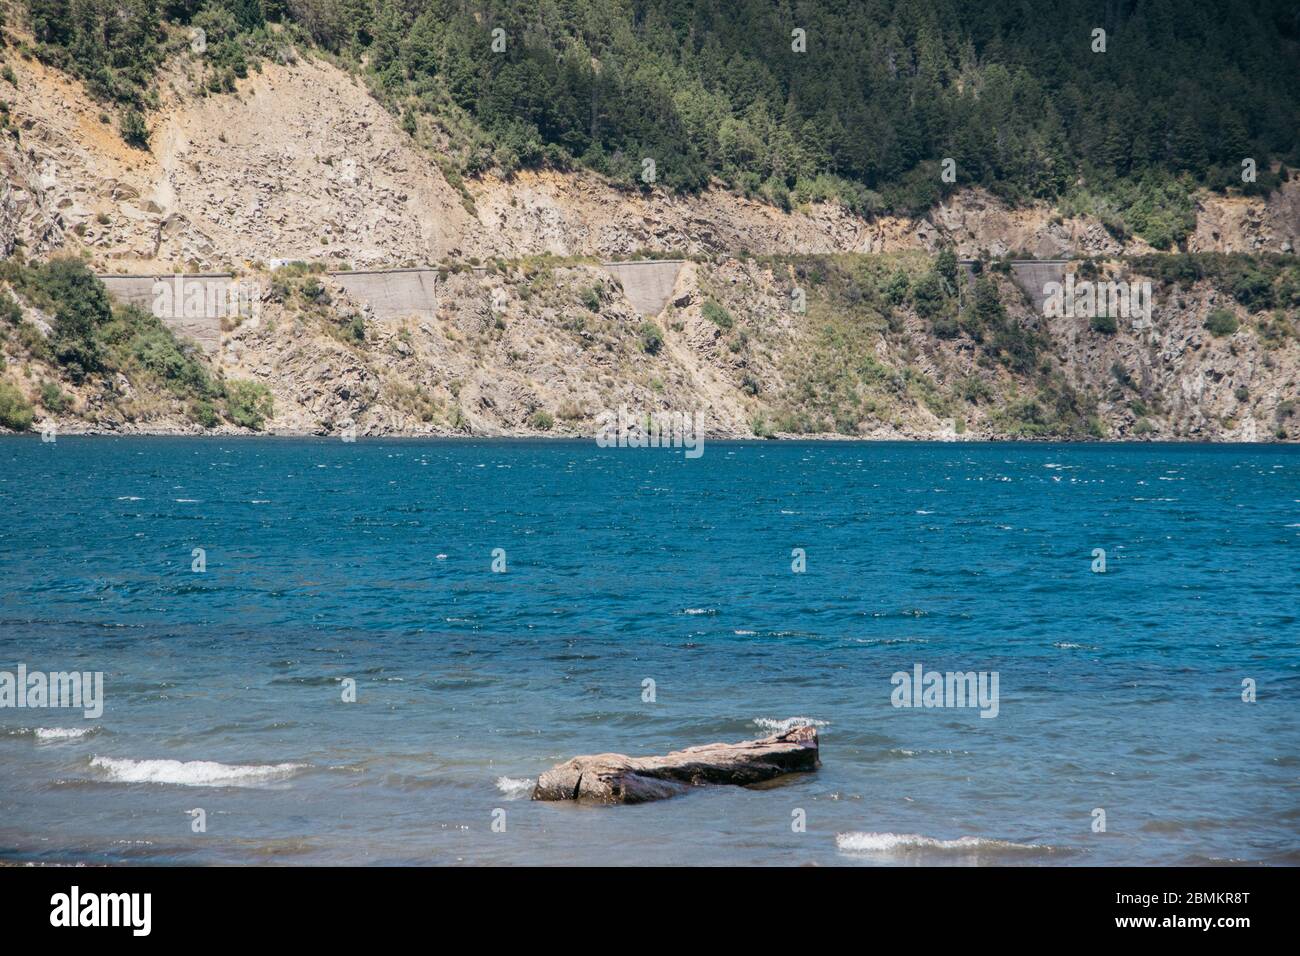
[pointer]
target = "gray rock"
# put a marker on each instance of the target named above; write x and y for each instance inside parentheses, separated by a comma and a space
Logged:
(615, 778)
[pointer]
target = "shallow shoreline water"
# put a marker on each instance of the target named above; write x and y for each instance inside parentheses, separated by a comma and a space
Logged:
(372, 561)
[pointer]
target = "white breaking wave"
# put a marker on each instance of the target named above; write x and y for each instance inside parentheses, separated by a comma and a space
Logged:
(515, 788)
(790, 723)
(192, 773)
(51, 733)
(895, 843)
(62, 733)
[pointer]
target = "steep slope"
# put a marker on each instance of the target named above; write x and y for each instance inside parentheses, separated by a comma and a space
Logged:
(302, 163)
(844, 345)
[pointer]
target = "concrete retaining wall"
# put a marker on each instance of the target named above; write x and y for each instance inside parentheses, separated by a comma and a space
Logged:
(396, 294)
(1029, 274)
(193, 307)
(1032, 276)
(647, 284)
(196, 306)
(393, 294)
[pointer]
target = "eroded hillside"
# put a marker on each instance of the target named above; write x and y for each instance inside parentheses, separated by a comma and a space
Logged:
(302, 164)
(877, 346)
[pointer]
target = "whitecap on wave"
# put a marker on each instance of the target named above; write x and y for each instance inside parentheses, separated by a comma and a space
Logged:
(515, 788)
(192, 773)
(790, 723)
(895, 844)
(62, 733)
(53, 733)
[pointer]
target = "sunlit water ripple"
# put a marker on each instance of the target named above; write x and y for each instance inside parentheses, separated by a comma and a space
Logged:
(372, 561)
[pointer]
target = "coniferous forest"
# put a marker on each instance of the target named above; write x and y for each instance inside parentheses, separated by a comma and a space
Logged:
(858, 101)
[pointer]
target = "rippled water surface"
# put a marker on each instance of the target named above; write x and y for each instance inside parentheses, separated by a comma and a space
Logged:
(372, 561)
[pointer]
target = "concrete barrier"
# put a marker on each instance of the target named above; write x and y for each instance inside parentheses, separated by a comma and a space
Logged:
(1031, 275)
(393, 294)
(648, 284)
(396, 294)
(191, 305)
(195, 304)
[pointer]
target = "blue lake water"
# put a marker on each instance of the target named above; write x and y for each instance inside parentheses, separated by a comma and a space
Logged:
(1118, 691)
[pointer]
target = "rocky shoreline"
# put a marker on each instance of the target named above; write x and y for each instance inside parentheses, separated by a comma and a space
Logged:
(522, 434)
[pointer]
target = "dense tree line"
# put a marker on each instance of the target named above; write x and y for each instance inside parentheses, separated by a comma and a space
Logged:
(1014, 92)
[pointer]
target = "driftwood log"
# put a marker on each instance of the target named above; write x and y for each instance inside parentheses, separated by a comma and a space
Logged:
(615, 778)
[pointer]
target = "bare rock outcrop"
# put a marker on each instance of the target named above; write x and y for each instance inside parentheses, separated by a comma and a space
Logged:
(302, 162)
(1245, 224)
(615, 778)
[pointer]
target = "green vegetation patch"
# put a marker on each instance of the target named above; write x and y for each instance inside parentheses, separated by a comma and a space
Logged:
(94, 339)
(15, 411)
(248, 404)
(863, 104)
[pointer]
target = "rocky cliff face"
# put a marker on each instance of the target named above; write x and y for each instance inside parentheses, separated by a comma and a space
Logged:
(1177, 379)
(1236, 224)
(546, 348)
(302, 164)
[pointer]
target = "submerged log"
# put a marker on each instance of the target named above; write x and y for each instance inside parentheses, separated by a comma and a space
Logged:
(615, 778)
